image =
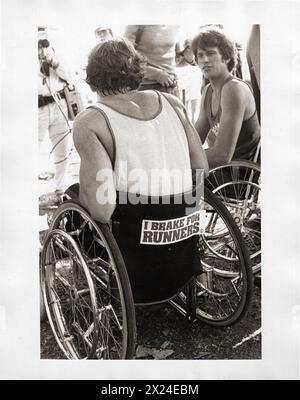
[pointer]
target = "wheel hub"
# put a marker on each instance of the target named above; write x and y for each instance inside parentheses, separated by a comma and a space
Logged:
(74, 294)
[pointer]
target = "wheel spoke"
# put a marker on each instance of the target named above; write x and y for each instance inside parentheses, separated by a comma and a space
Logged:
(222, 291)
(238, 186)
(79, 258)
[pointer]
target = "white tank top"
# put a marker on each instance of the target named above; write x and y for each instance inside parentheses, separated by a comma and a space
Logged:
(151, 156)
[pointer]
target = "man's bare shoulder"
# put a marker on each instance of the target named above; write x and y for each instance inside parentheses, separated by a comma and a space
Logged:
(235, 91)
(174, 100)
(88, 121)
(91, 134)
(89, 118)
(235, 87)
(237, 99)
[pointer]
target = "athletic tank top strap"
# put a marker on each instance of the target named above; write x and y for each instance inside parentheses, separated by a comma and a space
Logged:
(251, 89)
(141, 144)
(247, 83)
(208, 103)
(113, 158)
(230, 77)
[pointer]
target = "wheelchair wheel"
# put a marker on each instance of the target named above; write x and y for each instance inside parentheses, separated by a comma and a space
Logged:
(222, 293)
(237, 184)
(86, 289)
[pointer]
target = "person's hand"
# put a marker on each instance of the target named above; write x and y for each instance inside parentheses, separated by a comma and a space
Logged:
(166, 79)
(51, 57)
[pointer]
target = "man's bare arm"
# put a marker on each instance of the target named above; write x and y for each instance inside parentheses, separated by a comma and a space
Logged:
(197, 153)
(163, 77)
(202, 124)
(97, 189)
(233, 110)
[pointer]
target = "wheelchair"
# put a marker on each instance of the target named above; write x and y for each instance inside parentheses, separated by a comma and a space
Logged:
(237, 184)
(90, 292)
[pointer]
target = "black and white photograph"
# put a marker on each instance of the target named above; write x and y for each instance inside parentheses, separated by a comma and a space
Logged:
(90, 307)
(151, 190)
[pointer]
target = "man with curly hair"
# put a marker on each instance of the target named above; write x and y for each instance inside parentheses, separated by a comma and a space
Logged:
(145, 129)
(228, 119)
(141, 144)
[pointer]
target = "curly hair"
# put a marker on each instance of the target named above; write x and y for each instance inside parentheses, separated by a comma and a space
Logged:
(213, 37)
(114, 66)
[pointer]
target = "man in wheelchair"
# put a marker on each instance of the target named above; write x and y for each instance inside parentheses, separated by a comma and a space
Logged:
(137, 151)
(228, 122)
(228, 118)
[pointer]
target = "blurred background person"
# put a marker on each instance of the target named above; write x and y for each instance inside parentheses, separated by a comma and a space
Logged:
(103, 33)
(189, 79)
(253, 59)
(158, 44)
(53, 114)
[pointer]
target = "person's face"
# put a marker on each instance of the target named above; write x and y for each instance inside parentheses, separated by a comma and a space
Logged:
(103, 36)
(41, 51)
(188, 53)
(211, 62)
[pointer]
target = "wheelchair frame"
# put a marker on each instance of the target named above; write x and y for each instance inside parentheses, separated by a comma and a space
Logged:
(237, 184)
(87, 292)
